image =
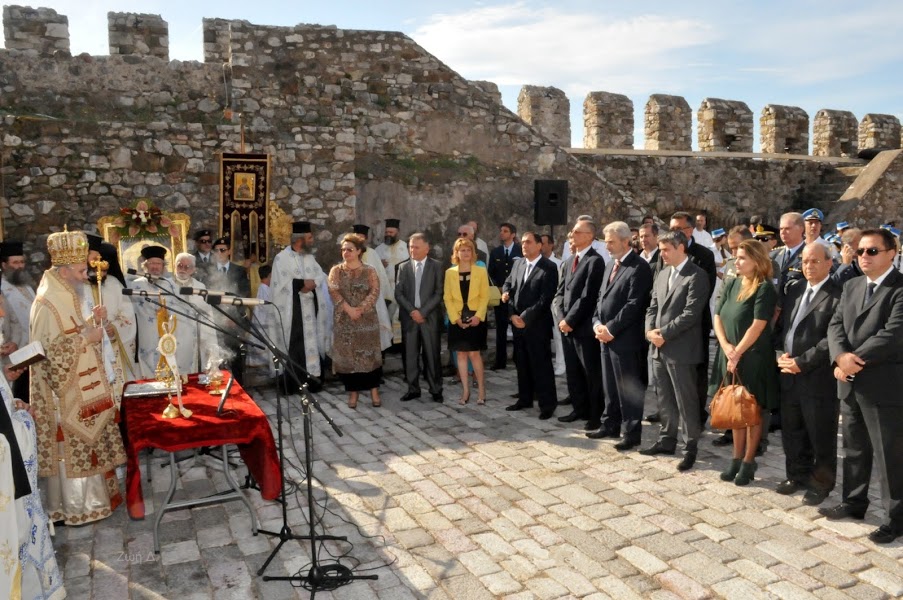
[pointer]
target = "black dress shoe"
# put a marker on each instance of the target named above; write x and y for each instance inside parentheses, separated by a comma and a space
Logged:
(725, 439)
(438, 397)
(841, 511)
(814, 497)
(656, 449)
(626, 444)
(885, 534)
(789, 486)
(545, 416)
(410, 396)
(654, 418)
(518, 407)
(570, 418)
(565, 401)
(602, 434)
(687, 462)
(592, 425)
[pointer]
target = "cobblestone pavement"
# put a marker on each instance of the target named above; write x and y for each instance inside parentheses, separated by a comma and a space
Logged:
(444, 501)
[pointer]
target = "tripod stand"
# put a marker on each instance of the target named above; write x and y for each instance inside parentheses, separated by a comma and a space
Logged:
(319, 577)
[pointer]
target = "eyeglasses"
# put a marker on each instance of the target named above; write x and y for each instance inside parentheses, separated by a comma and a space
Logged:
(205, 241)
(221, 250)
(870, 251)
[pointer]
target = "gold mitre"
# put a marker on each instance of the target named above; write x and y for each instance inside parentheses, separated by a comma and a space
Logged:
(67, 247)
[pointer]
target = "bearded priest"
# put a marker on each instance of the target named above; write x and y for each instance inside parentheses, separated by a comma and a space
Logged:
(72, 391)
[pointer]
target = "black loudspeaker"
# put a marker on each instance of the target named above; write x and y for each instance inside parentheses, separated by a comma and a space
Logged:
(550, 201)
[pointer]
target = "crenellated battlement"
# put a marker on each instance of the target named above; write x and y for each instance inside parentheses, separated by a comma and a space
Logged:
(35, 31)
(138, 34)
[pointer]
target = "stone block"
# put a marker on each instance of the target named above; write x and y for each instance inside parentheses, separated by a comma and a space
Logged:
(835, 133)
(548, 110)
(668, 123)
(607, 121)
(724, 126)
(38, 32)
(879, 132)
(138, 34)
(784, 130)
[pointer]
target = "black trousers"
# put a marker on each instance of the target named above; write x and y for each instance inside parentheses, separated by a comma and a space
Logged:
(502, 321)
(582, 357)
(535, 374)
(809, 435)
(870, 427)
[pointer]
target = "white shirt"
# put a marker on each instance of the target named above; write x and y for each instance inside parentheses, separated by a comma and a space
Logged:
(703, 237)
(880, 278)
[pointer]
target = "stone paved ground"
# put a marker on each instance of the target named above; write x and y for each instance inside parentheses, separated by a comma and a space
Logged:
(443, 501)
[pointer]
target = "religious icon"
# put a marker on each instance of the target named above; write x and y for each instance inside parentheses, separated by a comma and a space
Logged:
(243, 184)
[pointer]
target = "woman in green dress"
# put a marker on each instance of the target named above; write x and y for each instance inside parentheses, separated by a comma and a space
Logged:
(743, 328)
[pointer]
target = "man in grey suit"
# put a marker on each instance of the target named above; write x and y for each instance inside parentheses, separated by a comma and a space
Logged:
(418, 292)
(865, 341)
(680, 296)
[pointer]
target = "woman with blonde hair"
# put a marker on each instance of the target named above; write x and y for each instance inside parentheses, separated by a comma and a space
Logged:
(743, 328)
(466, 300)
(356, 351)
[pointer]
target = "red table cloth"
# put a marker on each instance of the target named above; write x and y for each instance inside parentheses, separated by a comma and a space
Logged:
(243, 424)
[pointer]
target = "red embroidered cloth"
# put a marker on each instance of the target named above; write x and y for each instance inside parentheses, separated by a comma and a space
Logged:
(243, 424)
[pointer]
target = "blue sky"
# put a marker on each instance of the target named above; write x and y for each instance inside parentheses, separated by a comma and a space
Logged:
(814, 54)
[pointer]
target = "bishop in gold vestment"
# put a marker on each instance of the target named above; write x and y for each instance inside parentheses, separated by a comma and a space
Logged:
(72, 392)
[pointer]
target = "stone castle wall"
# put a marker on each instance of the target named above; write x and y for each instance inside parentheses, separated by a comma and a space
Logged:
(362, 125)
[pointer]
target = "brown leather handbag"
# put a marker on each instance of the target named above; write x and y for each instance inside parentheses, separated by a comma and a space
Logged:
(733, 406)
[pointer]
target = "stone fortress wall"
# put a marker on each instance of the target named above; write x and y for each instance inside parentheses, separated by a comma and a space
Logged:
(364, 125)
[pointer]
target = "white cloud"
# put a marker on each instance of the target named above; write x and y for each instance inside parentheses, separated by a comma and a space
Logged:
(518, 43)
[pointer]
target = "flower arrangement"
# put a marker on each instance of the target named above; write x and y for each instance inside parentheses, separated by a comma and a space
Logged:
(144, 220)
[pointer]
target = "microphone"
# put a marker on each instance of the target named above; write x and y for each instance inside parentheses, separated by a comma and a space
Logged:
(131, 292)
(150, 278)
(190, 291)
(235, 301)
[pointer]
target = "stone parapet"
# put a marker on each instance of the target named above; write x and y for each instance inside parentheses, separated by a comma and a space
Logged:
(879, 132)
(548, 110)
(217, 40)
(35, 31)
(724, 126)
(834, 133)
(668, 123)
(784, 130)
(490, 88)
(138, 34)
(607, 121)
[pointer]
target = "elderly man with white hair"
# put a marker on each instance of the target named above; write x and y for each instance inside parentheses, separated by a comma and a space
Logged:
(196, 339)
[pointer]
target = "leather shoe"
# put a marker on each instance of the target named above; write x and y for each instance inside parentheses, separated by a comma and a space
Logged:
(656, 449)
(687, 462)
(545, 416)
(814, 497)
(885, 534)
(654, 418)
(517, 407)
(438, 397)
(789, 486)
(564, 401)
(410, 396)
(726, 439)
(592, 425)
(570, 418)
(841, 511)
(602, 434)
(626, 444)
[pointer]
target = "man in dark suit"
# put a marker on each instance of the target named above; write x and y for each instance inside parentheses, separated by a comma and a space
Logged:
(226, 276)
(865, 341)
(809, 404)
(418, 292)
(501, 258)
(618, 324)
(787, 261)
(703, 258)
(528, 293)
(203, 254)
(572, 308)
(680, 296)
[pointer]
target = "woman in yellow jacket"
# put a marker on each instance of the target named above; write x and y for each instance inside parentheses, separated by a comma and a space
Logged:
(466, 300)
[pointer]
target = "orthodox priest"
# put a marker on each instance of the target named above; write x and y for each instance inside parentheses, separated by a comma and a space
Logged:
(19, 295)
(300, 296)
(79, 445)
(393, 252)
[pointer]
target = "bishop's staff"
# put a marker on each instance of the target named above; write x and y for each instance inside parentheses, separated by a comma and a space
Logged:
(100, 268)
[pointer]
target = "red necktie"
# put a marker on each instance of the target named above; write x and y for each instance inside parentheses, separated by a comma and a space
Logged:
(576, 260)
(614, 271)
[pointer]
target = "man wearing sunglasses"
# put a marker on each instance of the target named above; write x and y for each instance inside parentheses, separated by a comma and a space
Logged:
(865, 341)
(203, 253)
